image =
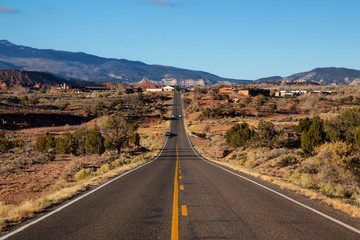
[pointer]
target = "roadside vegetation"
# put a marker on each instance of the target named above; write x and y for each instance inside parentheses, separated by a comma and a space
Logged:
(59, 145)
(309, 143)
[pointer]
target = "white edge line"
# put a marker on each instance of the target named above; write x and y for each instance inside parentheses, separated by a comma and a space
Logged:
(280, 194)
(82, 196)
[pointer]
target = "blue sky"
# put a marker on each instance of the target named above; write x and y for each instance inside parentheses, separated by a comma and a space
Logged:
(243, 39)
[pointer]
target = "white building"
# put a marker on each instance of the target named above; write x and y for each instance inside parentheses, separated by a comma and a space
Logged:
(154, 90)
(168, 89)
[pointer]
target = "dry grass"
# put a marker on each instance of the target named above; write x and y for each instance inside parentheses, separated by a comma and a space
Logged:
(63, 190)
(340, 204)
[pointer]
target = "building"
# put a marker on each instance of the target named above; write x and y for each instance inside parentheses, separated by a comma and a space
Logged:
(290, 93)
(168, 89)
(154, 89)
(227, 90)
(253, 92)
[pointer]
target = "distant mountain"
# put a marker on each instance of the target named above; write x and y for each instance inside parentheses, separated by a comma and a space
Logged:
(93, 68)
(32, 79)
(330, 75)
(270, 79)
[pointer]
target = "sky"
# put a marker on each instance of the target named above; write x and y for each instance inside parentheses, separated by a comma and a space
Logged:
(240, 39)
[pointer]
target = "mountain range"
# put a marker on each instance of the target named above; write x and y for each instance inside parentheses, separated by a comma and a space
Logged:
(330, 75)
(82, 66)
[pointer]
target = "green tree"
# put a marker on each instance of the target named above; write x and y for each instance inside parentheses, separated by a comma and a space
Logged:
(135, 139)
(357, 136)
(239, 135)
(67, 144)
(303, 125)
(206, 113)
(272, 107)
(45, 142)
(265, 134)
(232, 112)
(24, 100)
(315, 136)
(5, 144)
(116, 132)
(141, 100)
(94, 142)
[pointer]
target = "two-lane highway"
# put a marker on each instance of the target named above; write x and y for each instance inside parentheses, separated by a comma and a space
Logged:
(210, 203)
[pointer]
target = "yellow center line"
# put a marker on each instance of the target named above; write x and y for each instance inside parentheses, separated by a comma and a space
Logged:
(180, 177)
(175, 217)
(184, 210)
(181, 187)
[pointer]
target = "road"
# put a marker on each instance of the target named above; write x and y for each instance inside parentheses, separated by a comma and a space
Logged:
(210, 203)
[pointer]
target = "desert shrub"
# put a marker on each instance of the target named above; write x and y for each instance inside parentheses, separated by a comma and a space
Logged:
(272, 107)
(73, 167)
(117, 163)
(239, 135)
(265, 134)
(28, 101)
(206, 113)
(67, 144)
(334, 190)
(5, 144)
(44, 89)
(82, 174)
(44, 142)
(232, 112)
(286, 160)
(135, 139)
(260, 100)
(103, 169)
(110, 156)
(303, 125)
(80, 136)
(294, 107)
(334, 169)
(344, 127)
(315, 136)
(101, 105)
(247, 100)
(141, 100)
(94, 142)
(357, 137)
(44, 157)
(64, 106)
(217, 112)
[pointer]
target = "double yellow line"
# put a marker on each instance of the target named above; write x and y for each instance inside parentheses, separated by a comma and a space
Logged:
(175, 217)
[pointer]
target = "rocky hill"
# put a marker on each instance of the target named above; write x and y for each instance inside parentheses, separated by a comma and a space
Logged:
(32, 79)
(331, 75)
(93, 68)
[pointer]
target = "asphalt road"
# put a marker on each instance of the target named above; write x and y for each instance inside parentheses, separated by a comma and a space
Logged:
(213, 203)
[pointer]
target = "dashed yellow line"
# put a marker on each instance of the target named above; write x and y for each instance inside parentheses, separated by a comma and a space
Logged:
(184, 210)
(180, 177)
(175, 217)
(181, 187)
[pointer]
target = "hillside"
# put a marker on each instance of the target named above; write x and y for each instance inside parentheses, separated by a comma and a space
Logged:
(32, 79)
(93, 68)
(331, 75)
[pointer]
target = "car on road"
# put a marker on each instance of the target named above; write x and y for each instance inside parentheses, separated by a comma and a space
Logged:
(180, 116)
